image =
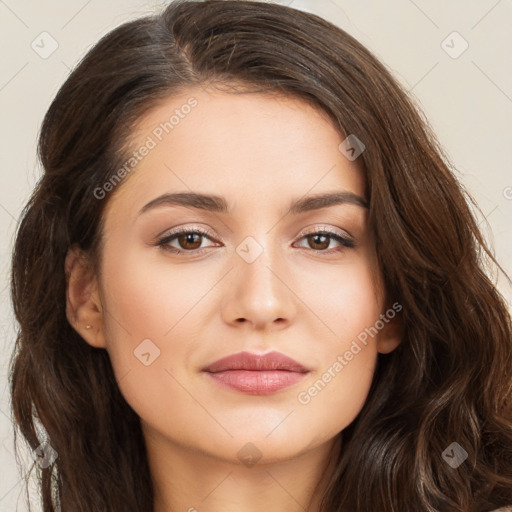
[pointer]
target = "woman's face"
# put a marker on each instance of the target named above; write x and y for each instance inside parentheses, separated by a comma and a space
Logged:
(260, 280)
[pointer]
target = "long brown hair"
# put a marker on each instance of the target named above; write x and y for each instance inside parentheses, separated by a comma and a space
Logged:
(448, 381)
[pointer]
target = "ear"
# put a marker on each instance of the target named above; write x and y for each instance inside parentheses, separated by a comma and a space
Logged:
(83, 304)
(390, 336)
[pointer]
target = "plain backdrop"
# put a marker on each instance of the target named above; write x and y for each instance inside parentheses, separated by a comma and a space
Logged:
(454, 58)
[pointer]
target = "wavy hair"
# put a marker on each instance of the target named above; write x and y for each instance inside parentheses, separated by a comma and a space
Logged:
(449, 380)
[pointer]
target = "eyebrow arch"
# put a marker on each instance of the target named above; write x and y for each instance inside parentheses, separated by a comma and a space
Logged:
(218, 204)
(317, 201)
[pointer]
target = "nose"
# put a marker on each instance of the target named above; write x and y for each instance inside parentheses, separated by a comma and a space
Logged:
(260, 294)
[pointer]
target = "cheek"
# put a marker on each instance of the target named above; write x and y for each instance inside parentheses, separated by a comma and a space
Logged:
(148, 297)
(145, 337)
(347, 304)
(343, 299)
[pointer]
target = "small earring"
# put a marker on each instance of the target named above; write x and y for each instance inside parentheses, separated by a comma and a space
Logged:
(88, 326)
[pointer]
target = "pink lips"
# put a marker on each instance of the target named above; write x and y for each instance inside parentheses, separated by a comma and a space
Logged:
(256, 374)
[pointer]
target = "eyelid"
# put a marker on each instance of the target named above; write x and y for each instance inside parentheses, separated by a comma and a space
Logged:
(323, 229)
(179, 229)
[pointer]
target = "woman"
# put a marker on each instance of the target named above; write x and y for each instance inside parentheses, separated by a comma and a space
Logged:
(248, 280)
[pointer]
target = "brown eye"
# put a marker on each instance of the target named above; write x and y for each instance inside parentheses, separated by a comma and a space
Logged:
(190, 240)
(320, 240)
(187, 240)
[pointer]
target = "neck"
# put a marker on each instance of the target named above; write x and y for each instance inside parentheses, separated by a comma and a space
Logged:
(186, 480)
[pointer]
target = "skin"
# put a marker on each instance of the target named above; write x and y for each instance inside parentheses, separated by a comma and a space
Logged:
(260, 153)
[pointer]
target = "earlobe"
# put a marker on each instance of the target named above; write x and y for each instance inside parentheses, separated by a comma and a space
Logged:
(390, 336)
(83, 304)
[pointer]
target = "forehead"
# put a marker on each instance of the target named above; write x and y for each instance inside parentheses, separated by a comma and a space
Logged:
(252, 148)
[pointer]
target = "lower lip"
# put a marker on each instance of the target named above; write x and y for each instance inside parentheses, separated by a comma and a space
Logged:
(258, 382)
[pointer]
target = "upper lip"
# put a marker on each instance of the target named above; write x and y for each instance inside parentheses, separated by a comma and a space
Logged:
(256, 362)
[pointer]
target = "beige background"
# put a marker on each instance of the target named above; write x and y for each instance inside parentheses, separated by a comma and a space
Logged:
(467, 98)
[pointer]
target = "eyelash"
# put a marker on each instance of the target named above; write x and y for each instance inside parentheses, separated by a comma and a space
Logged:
(346, 243)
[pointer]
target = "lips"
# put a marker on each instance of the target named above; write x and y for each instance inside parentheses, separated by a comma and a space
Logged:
(256, 374)
(255, 362)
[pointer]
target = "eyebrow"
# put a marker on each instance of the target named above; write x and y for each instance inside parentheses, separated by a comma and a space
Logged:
(218, 204)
